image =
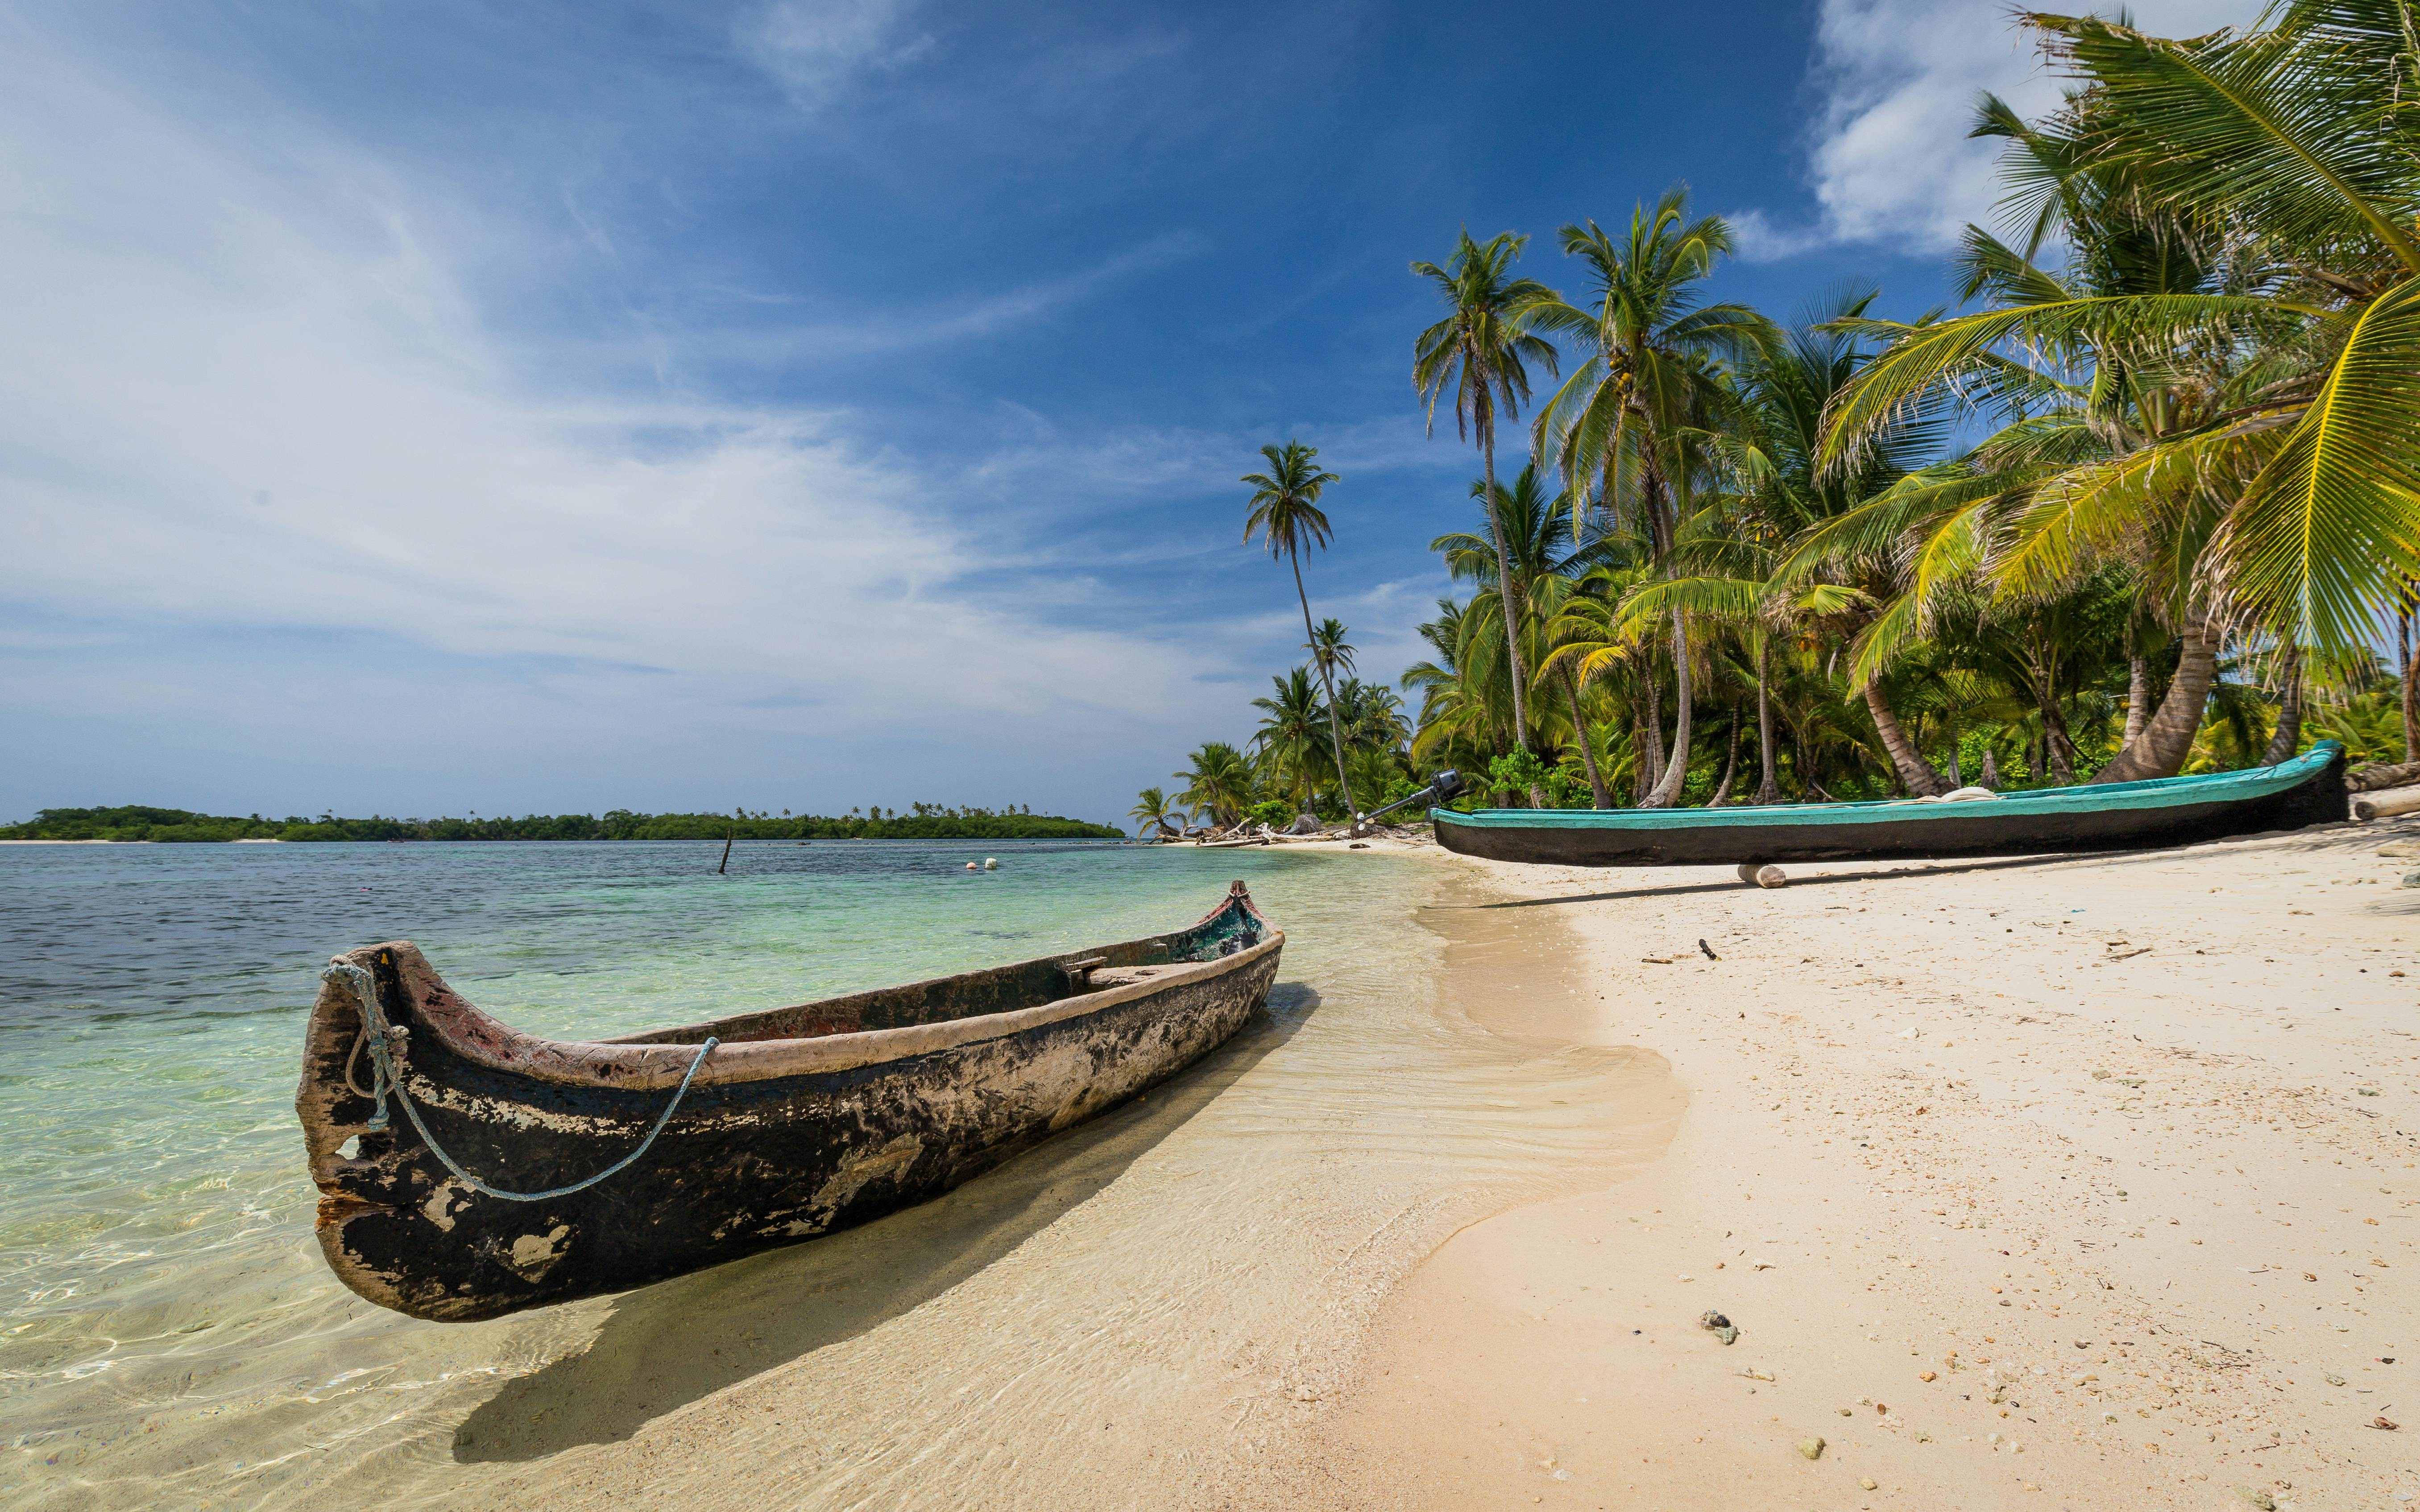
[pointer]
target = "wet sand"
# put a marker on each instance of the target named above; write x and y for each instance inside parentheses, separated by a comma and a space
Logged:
(2080, 1184)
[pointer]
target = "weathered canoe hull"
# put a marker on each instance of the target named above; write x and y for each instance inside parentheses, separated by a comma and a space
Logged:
(749, 1161)
(1877, 832)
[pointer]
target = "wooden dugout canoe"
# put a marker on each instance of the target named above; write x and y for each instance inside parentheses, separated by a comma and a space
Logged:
(799, 1121)
(2115, 816)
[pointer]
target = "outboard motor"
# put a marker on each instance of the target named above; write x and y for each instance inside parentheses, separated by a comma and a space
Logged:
(1443, 788)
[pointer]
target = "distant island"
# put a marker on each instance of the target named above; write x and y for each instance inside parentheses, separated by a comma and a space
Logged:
(921, 820)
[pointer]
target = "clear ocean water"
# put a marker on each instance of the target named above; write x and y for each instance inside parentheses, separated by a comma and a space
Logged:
(171, 1337)
(155, 1219)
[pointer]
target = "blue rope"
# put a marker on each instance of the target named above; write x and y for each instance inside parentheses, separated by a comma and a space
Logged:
(374, 1030)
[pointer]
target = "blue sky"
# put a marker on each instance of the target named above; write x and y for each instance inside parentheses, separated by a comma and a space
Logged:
(421, 409)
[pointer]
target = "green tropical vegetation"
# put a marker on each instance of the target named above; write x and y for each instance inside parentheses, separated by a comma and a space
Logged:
(922, 820)
(2146, 503)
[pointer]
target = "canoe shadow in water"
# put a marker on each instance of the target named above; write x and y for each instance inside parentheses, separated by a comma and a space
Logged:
(680, 1340)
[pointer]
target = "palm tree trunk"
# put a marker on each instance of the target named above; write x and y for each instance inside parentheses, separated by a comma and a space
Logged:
(1768, 789)
(1730, 764)
(1650, 741)
(2404, 667)
(1511, 595)
(2288, 737)
(2169, 738)
(1598, 794)
(2056, 748)
(2138, 699)
(1668, 792)
(1916, 773)
(1327, 681)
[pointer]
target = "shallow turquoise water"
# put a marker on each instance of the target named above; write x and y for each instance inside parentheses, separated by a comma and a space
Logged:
(157, 1270)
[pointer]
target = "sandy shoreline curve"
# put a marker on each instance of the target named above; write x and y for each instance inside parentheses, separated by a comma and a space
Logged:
(2075, 1183)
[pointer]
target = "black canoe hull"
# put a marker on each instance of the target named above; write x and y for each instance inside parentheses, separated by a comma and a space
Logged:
(1948, 831)
(743, 1166)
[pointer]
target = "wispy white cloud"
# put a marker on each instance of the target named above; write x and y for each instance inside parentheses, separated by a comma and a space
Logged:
(1897, 80)
(249, 390)
(818, 48)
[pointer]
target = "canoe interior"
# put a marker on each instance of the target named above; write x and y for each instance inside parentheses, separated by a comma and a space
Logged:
(2309, 790)
(806, 1120)
(1232, 926)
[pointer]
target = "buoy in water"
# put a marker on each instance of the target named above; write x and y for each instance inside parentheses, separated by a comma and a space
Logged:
(991, 863)
(970, 865)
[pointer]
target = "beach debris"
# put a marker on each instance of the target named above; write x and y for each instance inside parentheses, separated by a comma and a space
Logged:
(1762, 877)
(1758, 1375)
(1654, 960)
(1811, 1446)
(1709, 951)
(1868, 1482)
(1721, 1327)
(2334, 1380)
(1358, 845)
(2383, 1423)
(2258, 1497)
(1925, 1375)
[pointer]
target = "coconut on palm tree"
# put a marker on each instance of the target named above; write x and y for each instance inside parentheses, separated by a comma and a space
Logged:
(1285, 510)
(1483, 351)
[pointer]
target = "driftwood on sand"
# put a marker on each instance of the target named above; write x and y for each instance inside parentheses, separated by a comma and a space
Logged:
(2374, 778)
(2386, 804)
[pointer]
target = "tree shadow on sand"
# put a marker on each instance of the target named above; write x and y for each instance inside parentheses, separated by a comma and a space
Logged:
(674, 1343)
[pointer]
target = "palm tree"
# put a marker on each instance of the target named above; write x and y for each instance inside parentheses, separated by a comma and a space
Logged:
(1533, 533)
(1462, 707)
(1329, 647)
(1621, 424)
(1153, 809)
(2222, 387)
(1291, 738)
(1220, 781)
(1482, 351)
(1285, 507)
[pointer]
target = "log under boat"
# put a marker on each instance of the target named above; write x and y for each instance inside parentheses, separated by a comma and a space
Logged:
(2115, 816)
(430, 1125)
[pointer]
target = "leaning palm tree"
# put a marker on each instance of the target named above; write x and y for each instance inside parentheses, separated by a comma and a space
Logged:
(2252, 427)
(1153, 809)
(1482, 351)
(1621, 423)
(1285, 509)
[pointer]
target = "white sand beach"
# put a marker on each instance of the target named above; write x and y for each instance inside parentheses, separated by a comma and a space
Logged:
(2077, 1183)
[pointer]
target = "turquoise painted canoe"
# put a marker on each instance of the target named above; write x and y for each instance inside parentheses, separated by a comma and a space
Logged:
(2115, 816)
